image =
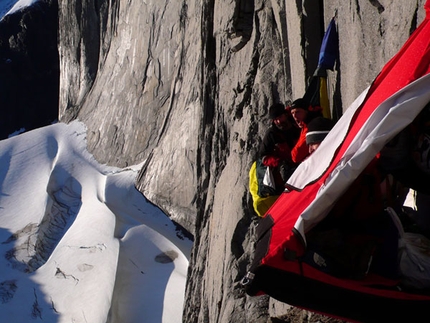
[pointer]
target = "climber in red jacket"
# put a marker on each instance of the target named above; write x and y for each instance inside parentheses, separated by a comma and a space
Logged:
(302, 113)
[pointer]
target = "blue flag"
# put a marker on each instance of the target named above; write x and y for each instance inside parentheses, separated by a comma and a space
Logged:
(329, 48)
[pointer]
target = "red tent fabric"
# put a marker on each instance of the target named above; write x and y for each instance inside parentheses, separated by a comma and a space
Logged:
(394, 99)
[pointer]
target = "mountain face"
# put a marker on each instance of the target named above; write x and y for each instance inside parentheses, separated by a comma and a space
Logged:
(184, 87)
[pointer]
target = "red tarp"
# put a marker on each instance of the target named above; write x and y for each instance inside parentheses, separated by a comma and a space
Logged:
(393, 100)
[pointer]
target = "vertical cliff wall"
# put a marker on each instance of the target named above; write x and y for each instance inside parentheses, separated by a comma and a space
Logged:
(183, 87)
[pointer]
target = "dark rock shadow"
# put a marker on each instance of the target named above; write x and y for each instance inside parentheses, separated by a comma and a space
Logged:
(29, 68)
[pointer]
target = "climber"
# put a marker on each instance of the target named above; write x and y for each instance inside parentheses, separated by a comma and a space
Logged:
(274, 159)
(405, 160)
(318, 129)
(302, 113)
(275, 149)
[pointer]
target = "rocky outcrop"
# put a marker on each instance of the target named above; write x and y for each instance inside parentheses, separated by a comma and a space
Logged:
(183, 87)
(29, 68)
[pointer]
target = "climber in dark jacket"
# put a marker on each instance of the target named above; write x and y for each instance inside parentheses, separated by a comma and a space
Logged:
(275, 149)
(407, 158)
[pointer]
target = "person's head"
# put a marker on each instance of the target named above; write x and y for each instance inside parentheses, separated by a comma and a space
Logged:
(299, 111)
(278, 114)
(318, 128)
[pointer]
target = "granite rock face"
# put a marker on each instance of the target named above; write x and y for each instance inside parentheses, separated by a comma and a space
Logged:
(183, 87)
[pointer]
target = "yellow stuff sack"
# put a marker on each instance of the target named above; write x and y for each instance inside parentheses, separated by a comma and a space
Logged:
(260, 204)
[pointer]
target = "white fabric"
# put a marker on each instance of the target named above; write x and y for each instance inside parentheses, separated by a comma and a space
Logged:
(268, 179)
(389, 118)
(311, 133)
(414, 260)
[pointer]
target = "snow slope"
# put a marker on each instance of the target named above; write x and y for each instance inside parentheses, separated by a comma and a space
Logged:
(78, 242)
(11, 6)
